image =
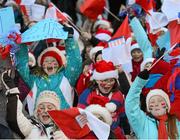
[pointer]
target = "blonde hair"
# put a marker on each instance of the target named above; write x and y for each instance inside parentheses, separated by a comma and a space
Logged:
(172, 128)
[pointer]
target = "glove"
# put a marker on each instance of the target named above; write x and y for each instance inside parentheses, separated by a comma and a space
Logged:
(160, 52)
(59, 135)
(69, 30)
(144, 74)
(8, 82)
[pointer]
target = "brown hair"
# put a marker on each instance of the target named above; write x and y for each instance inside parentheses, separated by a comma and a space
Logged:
(93, 85)
(172, 128)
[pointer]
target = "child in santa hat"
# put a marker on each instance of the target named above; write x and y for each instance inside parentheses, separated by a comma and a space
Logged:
(59, 71)
(105, 85)
(157, 123)
(38, 127)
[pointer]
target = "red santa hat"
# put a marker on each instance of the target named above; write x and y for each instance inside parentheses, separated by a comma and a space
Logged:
(135, 46)
(103, 34)
(102, 21)
(157, 92)
(94, 50)
(148, 60)
(104, 70)
(53, 52)
(102, 111)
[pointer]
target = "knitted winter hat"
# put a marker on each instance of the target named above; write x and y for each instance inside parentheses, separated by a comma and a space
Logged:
(158, 92)
(104, 70)
(53, 52)
(148, 60)
(102, 111)
(50, 97)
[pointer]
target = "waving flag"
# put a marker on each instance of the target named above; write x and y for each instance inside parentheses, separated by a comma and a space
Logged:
(92, 8)
(174, 29)
(119, 47)
(67, 121)
(145, 4)
(123, 30)
(55, 13)
(171, 8)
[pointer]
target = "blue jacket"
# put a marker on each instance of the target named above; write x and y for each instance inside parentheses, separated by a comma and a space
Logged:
(141, 38)
(69, 74)
(144, 126)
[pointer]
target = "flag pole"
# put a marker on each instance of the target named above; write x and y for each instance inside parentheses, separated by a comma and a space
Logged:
(112, 14)
(77, 28)
(162, 57)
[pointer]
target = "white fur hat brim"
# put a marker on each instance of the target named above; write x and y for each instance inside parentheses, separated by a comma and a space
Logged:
(105, 75)
(101, 22)
(94, 51)
(158, 92)
(103, 36)
(31, 56)
(102, 111)
(145, 62)
(54, 49)
(134, 46)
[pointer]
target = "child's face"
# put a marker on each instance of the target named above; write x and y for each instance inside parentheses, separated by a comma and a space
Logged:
(99, 58)
(105, 86)
(42, 112)
(137, 55)
(50, 65)
(157, 106)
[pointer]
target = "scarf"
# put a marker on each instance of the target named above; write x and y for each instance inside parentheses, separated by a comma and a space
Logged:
(162, 132)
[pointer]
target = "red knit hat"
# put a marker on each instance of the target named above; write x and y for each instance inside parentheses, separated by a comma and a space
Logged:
(104, 70)
(53, 52)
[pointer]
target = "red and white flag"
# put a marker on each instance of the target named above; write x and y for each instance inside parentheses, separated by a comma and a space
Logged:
(55, 13)
(174, 29)
(119, 45)
(67, 120)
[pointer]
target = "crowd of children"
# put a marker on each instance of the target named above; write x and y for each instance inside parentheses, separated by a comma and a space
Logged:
(94, 98)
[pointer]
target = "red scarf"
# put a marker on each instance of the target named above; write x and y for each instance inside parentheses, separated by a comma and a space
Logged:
(162, 132)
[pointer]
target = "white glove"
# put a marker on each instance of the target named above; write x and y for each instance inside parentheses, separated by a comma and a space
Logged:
(59, 135)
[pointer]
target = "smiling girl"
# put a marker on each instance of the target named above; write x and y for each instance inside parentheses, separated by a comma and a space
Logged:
(105, 86)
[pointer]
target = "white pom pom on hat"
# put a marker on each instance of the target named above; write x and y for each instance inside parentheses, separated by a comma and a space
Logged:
(111, 107)
(145, 62)
(102, 111)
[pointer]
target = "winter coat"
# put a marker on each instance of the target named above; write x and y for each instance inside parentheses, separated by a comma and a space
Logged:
(141, 38)
(144, 126)
(60, 82)
(22, 126)
(136, 69)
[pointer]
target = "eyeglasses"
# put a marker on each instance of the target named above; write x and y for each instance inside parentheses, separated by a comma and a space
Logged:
(107, 81)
